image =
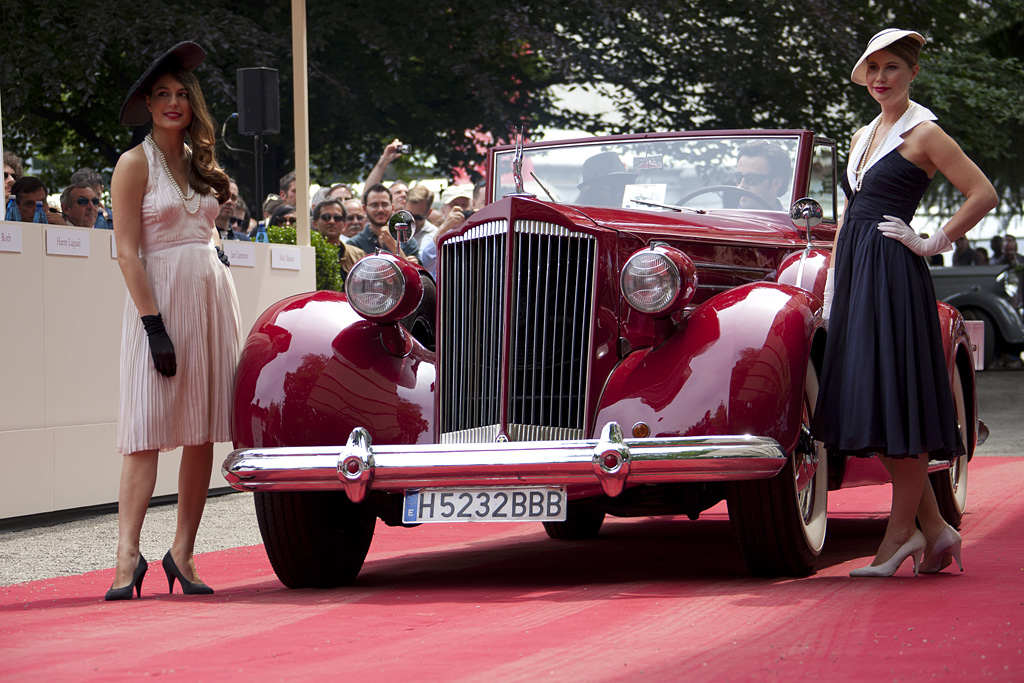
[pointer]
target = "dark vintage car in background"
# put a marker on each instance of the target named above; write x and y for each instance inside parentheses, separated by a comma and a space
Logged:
(992, 295)
(648, 345)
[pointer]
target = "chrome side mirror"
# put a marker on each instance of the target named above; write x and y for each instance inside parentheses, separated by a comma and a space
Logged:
(402, 225)
(806, 214)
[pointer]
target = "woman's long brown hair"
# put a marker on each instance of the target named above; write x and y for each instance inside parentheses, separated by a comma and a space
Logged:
(204, 173)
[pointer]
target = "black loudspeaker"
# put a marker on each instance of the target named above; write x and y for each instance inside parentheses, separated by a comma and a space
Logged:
(259, 111)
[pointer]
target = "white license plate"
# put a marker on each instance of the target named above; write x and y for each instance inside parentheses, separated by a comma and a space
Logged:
(518, 504)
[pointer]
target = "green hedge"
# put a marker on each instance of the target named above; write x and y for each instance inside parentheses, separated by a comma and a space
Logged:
(328, 272)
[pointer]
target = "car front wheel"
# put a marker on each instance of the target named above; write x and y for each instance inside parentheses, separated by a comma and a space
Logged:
(314, 539)
(780, 522)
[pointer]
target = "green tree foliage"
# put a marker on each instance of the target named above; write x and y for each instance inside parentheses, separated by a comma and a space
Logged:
(429, 73)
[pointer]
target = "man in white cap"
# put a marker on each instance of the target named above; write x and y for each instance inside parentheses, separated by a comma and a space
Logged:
(455, 201)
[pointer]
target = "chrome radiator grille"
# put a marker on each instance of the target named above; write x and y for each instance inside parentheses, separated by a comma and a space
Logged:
(542, 359)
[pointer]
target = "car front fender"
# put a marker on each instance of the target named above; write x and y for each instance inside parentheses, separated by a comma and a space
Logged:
(737, 367)
(312, 370)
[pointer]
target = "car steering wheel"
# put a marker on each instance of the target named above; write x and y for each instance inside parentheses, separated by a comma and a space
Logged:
(721, 188)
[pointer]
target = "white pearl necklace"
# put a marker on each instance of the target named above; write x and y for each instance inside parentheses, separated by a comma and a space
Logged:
(862, 166)
(185, 199)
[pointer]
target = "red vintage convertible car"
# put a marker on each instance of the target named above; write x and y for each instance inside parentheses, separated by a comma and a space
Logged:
(631, 327)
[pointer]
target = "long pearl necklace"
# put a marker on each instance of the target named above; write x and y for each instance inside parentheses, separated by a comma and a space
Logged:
(863, 166)
(185, 199)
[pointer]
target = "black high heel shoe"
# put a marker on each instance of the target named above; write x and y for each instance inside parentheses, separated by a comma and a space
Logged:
(125, 592)
(187, 587)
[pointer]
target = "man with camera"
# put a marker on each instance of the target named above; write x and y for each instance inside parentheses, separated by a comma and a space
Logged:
(456, 201)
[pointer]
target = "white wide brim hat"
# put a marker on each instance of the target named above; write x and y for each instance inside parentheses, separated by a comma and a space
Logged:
(879, 41)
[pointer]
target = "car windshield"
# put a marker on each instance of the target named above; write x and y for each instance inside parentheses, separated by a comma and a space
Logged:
(720, 172)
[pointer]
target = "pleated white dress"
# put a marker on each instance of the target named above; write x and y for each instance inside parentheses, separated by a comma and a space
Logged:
(196, 296)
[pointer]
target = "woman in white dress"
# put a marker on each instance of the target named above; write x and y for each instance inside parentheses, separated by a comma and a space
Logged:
(181, 332)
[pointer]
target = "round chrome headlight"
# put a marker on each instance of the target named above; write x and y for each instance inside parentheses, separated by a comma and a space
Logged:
(375, 286)
(658, 280)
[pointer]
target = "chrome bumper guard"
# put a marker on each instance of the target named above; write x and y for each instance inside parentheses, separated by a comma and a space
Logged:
(610, 461)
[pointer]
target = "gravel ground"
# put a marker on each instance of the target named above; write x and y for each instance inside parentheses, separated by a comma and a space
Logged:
(88, 544)
(229, 521)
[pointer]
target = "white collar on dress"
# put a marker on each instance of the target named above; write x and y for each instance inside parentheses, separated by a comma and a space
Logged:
(917, 114)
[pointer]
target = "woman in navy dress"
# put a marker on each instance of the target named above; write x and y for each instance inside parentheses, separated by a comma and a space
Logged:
(884, 386)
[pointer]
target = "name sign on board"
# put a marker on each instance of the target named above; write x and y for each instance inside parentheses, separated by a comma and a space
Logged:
(10, 237)
(240, 253)
(64, 242)
(286, 258)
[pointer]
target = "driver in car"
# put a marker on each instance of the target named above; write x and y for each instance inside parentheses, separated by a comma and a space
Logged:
(604, 180)
(764, 169)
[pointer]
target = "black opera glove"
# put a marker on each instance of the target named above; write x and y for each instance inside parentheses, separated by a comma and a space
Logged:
(223, 257)
(160, 345)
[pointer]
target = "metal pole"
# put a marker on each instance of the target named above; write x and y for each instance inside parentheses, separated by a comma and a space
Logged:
(258, 185)
(301, 111)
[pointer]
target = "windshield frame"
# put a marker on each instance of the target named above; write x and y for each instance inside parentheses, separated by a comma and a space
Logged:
(718, 168)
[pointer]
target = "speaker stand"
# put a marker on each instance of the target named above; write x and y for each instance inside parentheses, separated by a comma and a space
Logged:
(258, 164)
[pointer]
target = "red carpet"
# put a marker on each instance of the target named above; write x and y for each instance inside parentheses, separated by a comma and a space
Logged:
(652, 598)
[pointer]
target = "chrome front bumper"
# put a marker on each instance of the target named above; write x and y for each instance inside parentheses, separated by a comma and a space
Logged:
(610, 461)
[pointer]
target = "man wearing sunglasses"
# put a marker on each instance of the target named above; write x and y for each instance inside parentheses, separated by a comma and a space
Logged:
(225, 220)
(764, 169)
(91, 177)
(80, 203)
(330, 219)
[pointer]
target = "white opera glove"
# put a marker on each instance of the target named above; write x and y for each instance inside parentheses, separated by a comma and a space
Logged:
(826, 309)
(898, 230)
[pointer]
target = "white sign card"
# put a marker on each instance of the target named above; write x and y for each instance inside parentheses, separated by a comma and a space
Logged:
(240, 253)
(286, 258)
(648, 192)
(63, 242)
(10, 237)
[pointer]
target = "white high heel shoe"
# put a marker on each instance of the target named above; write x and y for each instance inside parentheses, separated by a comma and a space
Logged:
(949, 543)
(913, 548)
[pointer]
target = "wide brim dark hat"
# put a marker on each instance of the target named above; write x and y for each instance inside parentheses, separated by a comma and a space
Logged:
(186, 54)
(605, 165)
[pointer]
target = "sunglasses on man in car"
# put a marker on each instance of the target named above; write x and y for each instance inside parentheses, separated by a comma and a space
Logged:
(752, 179)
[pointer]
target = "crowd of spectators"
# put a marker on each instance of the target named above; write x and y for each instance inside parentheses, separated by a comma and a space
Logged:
(1003, 252)
(356, 225)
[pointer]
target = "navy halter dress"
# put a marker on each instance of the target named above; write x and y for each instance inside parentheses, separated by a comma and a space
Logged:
(884, 387)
